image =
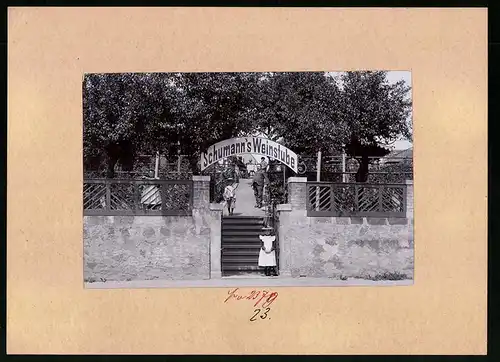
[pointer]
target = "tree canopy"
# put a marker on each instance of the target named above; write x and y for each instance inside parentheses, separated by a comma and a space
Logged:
(299, 108)
(373, 112)
(130, 114)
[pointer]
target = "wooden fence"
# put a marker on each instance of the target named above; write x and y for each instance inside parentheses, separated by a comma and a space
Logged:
(380, 170)
(356, 199)
(108, 197)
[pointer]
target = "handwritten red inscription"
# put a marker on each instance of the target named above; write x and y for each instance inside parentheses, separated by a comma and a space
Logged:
(263, 296)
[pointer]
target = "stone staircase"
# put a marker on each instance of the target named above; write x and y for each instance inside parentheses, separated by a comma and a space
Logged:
(241, 245)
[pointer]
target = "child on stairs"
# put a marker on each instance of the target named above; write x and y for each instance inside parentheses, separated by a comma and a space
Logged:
(267, 254)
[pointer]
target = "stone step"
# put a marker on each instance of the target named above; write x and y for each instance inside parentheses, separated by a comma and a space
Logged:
(228, 227)
(240, 260)
(241, 221)
(234, 266)
(240, 252)
(241, 244)
(243, 271)
(242, 233)
(241, 217)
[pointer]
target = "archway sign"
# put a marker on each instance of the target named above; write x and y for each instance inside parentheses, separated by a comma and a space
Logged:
(249, 145)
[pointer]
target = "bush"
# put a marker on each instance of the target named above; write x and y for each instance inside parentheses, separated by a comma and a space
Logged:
(277, 188)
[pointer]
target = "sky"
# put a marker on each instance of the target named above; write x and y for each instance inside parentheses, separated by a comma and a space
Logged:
(396, 76)
(393, 77)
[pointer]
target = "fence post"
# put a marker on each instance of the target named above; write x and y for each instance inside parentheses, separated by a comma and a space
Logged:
(163, 194)
(409, 199)
(178, 156)
(157, 164)
(318, 178)
(380, 198)
(108, 195)
(317, 199)
(332, 199)
(136, 196)
(356, 198)
(343, 165)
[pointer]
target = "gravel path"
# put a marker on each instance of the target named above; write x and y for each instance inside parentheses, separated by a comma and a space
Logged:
(242, 282)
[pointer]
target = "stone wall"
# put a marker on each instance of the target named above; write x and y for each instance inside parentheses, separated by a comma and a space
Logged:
(120, 248)
(337, 247)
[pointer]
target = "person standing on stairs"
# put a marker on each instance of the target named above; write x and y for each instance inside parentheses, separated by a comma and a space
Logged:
(267, 253)
(232, 179)
(259, 180)
(263, 163)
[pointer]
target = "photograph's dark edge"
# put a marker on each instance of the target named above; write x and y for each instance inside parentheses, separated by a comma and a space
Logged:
(493, 84)
(3, 189)
(261, 4)
(493, 317)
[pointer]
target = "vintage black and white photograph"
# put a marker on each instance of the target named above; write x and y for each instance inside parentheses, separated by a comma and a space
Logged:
(247, 179)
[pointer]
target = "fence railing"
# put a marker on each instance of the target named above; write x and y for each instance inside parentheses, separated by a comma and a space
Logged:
(356, 199)
(373, 177)
(377, 165)
(137, 197)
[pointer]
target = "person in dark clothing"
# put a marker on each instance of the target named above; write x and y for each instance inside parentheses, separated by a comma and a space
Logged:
(263, 163)
(259, 180)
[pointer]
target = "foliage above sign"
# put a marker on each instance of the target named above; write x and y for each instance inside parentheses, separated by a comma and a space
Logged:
(249, 145)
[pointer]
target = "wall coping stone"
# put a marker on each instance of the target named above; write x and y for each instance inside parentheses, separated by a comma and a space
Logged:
(201, 178)
(216, 207)
(297, 179)
(284, 207)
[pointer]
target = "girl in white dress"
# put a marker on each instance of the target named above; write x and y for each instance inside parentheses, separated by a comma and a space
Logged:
(267, 254)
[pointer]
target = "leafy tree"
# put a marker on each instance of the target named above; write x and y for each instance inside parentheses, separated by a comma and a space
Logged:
(122, 115)
(373, 113)
(299, 108)
(360, 111)
(127, 114)
(211, 107)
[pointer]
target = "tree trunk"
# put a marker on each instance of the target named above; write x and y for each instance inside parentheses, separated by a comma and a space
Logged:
(92, 164)
(110, 166)
(127, 155)
(362, 173)
(193, 163)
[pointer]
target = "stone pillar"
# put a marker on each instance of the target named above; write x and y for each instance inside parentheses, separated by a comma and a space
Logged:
(201, 192)
(409, 199)
(211, 216)
(297, 193)
(215, 241)
(284, 241)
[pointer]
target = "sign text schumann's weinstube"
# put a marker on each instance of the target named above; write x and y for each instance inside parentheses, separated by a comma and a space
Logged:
(248, 145)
